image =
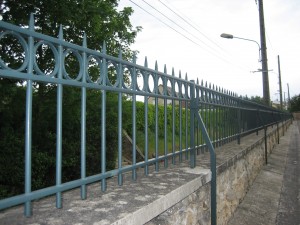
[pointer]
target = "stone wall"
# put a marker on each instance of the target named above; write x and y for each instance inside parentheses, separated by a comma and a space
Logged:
(235, 175)
(194, 209)
(296, 115)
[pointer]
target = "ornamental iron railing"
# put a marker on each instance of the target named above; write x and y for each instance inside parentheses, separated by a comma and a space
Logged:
(189, 116)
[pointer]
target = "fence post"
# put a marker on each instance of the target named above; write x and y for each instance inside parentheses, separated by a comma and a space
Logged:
(213, 168)
(239, 123)
(193, 108)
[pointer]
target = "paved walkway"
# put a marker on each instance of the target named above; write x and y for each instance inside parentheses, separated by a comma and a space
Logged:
(274, 197)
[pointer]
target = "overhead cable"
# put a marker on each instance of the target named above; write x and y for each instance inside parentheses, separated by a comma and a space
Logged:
(208, 38)
(180, 33)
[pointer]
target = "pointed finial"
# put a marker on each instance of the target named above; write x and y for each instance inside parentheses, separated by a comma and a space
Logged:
(60, 33)
(156, 66)
(186, 76)
(173, 73)
(134, 58)
(179, 73)
(84, 42)
(31, 22)
(146, 62)
(165, 69)
(104, 47)
(197, 81)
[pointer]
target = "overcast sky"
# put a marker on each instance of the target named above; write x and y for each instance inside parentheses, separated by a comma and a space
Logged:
(194, 46)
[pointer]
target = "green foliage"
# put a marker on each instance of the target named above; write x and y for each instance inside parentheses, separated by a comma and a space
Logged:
(12, 113)
(295, 104)
(12, 116)
(140, 125)
(256, 99)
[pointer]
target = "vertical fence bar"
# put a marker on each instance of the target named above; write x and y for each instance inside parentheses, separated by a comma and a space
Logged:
(217, 126)
(277, 124)
(180, 120)
(224, 121)
(83, 122)
(196, 124)
(28, 122)
(146, 86)
(173, 117)
(103, 118)
(186, 129)
(239, 125)
(214, 117)
(283, 127)
(201, 112)
(165, 118)
(266, 141)
(120, 111)
(134, 83)
(193, 108)
(59, 124)
(206, 121)
(186, 118)
(146, 134)
(156, 118)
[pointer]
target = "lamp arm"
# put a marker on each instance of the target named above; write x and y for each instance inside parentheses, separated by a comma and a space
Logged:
(259, 49)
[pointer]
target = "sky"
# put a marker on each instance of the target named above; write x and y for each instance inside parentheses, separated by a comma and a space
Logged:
(185, 35)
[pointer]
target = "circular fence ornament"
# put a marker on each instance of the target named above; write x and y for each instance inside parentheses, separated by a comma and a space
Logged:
(40, 44)
(68, 53)
(94, 67)
(22, 54)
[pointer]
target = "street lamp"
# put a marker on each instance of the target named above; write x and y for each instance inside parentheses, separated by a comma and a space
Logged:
(230, 36)
(262, 59)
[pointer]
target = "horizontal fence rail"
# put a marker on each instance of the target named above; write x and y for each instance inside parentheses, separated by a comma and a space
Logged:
(170, 118)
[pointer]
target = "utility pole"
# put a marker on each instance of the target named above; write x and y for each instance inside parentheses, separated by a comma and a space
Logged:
(280, 86)
(264, 60)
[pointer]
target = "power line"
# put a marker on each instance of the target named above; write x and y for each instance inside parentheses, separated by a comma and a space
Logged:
(178, 25)
(163, 22)
(178, 32)
(220, 50)
(191, 24)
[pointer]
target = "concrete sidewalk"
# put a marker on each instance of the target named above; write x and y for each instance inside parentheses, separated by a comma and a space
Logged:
(274, 197)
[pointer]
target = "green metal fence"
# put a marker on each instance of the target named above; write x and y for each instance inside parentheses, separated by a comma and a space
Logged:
(189, 117)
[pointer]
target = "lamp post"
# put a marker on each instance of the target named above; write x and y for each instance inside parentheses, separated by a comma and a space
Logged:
(264, 70)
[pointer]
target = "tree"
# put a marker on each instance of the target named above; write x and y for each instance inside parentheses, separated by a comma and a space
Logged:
(257, 99)
(295, 104)
(99, 19)
(101, 22)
